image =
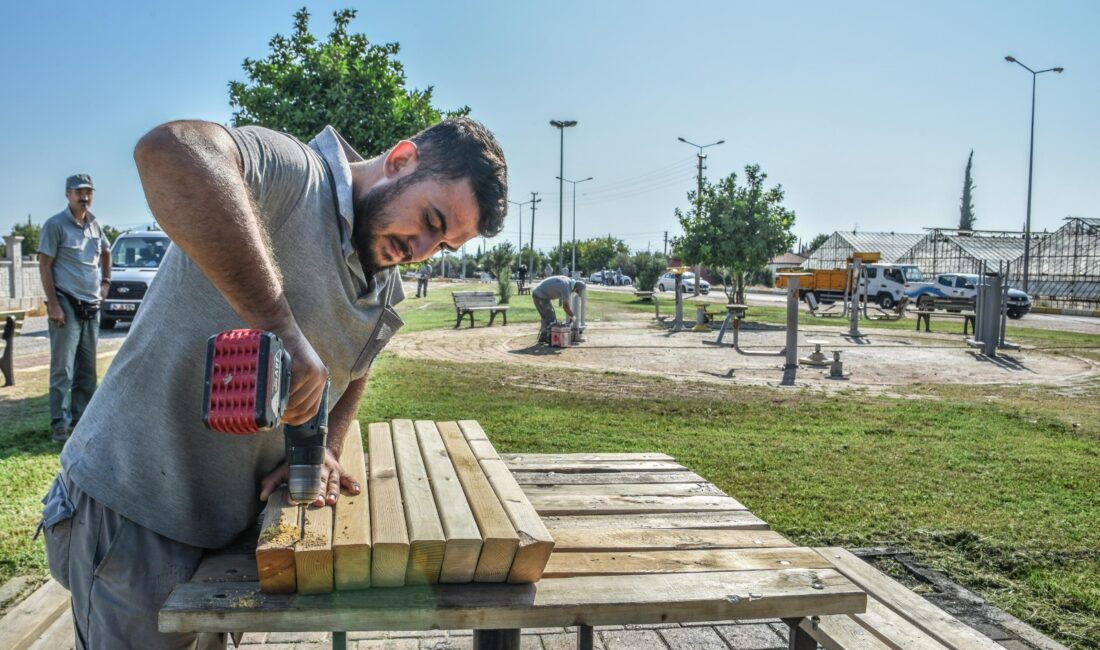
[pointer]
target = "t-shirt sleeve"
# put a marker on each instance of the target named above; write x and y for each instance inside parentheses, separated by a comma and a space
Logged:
(49, 239)
(277, 171)
(104, 242)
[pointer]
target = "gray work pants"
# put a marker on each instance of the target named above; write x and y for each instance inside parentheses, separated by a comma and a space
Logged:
(546, 312)
(422, 285)
(72, 367)
(118, 573)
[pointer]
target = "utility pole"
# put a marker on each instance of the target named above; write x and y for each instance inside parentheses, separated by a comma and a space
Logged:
(561, 126)
(666, 245)
(531, 254)
(699, 198)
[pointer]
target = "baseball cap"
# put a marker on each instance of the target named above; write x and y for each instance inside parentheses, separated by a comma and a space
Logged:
(77, 181)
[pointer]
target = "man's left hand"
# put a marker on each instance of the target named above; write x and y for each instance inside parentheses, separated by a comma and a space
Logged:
(104, 287)
(332, 479)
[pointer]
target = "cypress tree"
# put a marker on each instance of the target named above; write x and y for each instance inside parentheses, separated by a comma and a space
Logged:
(966, 212)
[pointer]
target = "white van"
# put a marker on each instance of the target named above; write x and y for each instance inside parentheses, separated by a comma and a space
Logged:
(135, 258)
(887, 283)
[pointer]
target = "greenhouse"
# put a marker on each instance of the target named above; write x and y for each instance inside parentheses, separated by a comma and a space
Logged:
(1065, 266)
(834, 253)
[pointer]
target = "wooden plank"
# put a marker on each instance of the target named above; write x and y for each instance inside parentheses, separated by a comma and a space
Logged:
(610, 505)
(934, 621)
(226, 567)
(579, 478)
(29, 619)
(279, 532)
(351, 535)
(459, 526)
(426, 540)
(586, 457)
(895, 631)
(499, 538)
(627, 490)
(642, 539)
(553, 602)
(389, 535)
(60, 635)
(313, 553)
(732, 519)
(839, 632)
(614, 563)
(531, 464)
(535, 542)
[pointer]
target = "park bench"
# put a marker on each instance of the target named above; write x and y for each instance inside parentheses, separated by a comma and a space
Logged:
(13, 324)
(895, 618)
(468, 302)
(643, 295)
(952, 308)
(522, 287)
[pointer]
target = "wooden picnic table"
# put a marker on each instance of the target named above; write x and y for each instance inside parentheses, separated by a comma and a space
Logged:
(640, 539)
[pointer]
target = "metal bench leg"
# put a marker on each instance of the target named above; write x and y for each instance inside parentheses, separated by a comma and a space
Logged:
(339, 641)
(496, 639)
(471, 319)
(6, 362)
(505, 314)
(584, 637)
(799, 638)
(458, 321)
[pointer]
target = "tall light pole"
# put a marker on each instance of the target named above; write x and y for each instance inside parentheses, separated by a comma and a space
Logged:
(1030, 163)
(531, 254)
(573, 266)
(699, 197)
(561, 125)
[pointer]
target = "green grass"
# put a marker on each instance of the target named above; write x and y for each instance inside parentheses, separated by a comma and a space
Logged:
(996, 487)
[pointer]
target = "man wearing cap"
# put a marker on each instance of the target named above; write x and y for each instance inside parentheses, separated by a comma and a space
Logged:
(75, 265)
(555, 287)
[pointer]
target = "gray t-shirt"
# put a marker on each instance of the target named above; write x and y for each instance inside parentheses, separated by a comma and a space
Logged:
(141, 448)
(75, 249)
(555, 287)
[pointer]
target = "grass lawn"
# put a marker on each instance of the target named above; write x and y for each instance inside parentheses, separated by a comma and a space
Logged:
(995, 486)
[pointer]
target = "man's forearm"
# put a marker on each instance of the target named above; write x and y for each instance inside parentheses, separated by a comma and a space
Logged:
(45, 272)
(343, 413)
(191, 173)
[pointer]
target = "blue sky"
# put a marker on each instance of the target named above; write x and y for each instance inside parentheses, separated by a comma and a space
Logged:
(864, 111)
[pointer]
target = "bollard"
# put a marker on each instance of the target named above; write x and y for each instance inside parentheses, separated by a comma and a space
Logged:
(836, 368)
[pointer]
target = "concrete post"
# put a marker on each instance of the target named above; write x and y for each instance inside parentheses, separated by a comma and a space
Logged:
(853, 329)
(14, 244)
(792, 321)
(678, 320)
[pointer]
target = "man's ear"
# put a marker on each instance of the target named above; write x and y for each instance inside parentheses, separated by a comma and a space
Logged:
(401, 160)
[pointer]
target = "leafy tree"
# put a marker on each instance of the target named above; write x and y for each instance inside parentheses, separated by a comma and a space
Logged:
(966, 211)
(648, 267)
(739, 228)
(111, 232)
(499, 261)
(30, 233)
(348, 82)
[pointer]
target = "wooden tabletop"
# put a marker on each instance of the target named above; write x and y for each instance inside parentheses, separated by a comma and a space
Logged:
(639, 539)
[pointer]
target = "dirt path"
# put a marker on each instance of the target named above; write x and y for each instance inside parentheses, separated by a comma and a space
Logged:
(881, 361)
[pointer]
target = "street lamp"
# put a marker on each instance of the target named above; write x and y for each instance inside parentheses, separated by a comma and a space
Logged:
(573, 266)
(561, 125)
(1030, 163)
(699, 198)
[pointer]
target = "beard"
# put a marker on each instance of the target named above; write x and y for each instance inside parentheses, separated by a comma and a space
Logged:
(372, 216)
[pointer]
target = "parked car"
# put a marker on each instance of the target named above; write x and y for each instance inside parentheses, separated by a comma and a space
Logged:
(668, 281)
(964, 285)
(614, 278)
(135, 258)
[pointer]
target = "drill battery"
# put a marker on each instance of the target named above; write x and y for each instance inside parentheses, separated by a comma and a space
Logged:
(247, 382)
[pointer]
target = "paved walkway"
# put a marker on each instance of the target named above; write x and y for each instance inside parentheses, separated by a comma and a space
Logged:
(751, 635)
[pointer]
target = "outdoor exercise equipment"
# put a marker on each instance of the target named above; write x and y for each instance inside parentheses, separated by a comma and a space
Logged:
(991, 312)
(578, 302)
(790, 350)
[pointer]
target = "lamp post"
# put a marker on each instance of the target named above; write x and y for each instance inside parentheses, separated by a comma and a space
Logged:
(573, 266)
(699, 197)
(561, 125)
(1030, 163)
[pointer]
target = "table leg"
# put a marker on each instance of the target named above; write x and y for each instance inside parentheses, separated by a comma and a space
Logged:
(584, 637)
(496, 639)
(339, 641)
(799, 638)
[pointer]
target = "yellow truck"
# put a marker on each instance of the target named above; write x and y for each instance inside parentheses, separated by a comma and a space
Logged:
(885, 284)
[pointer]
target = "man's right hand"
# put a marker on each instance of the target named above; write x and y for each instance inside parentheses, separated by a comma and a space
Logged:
(308, 377)
(55, 313)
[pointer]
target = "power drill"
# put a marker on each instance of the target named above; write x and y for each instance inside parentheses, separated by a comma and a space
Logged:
(246, 391)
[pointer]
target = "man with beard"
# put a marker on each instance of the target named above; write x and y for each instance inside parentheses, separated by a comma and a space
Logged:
(75, 267)
(273, 234)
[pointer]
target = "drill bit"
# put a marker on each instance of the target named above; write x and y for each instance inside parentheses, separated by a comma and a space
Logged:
(301, 521)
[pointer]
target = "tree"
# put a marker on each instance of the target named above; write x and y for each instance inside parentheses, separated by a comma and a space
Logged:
(966, 211)
(354, 85)
(738, 230)
(499, 261)
(111, 232)
(649, 267)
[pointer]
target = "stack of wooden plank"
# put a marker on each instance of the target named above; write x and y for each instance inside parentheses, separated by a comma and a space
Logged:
(438, 505)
